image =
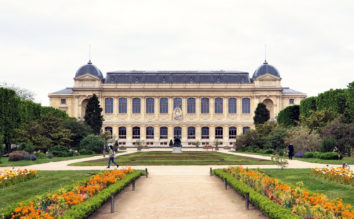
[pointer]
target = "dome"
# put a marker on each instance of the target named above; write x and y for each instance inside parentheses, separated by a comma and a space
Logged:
(264, 69)
(89, 69)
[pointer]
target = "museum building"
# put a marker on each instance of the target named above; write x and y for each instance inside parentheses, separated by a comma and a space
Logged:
(196, 106)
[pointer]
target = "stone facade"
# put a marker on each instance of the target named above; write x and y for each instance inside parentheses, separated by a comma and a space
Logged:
(187, 119)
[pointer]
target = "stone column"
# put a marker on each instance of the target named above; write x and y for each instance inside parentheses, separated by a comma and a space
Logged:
(170, 132)
(225, 106)
(115, 105)
(198, 107)
(211, 134)
(143, 107)
(129, 107)
(184, 134)
(211, 108)
(156, 135)
(225, 133)
(198, 133)
(142, 133)
(129, 137)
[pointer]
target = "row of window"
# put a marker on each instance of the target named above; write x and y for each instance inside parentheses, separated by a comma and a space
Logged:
(122, 132)
(177, 103)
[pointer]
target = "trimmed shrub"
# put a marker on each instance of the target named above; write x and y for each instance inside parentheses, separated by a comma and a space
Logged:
(289, 116)
(17, 155)
(307, 105)
(309, 155)
(40, 155)
(329, 156)
(60, 151)
(93, 143)
(49, 155)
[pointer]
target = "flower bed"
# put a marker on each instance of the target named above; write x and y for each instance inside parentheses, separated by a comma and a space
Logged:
(339, 174)
(298, 200)
(75, 201)
(10, 177)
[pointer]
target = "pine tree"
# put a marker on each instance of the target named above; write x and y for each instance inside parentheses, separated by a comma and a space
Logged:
(93, 116)
(261, 114)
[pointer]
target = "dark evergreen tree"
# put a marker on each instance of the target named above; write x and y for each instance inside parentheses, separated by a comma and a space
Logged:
(261, 115)
(289, 116)
(93, 116)
(9, 115)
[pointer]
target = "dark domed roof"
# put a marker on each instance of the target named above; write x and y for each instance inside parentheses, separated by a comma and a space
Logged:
(264, 69)
(89, 69)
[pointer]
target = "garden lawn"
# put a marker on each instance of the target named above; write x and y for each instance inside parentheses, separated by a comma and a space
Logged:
(348, 160)
(314, 184)
(6, 163)
(46, 181)
(185, 158)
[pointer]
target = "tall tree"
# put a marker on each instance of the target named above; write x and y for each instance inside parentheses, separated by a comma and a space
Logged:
(261, 114)
(9, 115)
(93, 116)
(289, 116)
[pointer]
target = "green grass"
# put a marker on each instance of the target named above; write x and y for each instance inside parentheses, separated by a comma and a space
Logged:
(314, 184)
(5, 162)
(167, 158)
(348, 160)
(46, 181)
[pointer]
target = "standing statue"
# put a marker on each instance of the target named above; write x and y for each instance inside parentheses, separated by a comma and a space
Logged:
(177, 142)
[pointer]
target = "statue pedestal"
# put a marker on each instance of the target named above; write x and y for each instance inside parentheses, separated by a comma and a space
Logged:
(177, 150)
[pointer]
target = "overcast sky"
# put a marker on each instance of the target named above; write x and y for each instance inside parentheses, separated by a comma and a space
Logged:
(43, 43)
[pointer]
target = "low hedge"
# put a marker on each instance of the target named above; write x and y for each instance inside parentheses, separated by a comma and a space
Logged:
(322, 156)
(270, 208)
(86, 208)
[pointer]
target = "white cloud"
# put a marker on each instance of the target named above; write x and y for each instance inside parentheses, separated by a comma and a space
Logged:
(43, 43)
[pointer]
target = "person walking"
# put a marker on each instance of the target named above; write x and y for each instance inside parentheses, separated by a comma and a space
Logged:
(112, 154)
(291, 151)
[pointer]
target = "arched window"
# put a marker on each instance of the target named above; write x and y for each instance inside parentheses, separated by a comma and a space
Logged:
(122, 132)
(163, 133)
(177, 132)
(246, 108)
(149, 132)
(218, 133)
(205, 105)
(136, 105)
(108, 105)
(177, 103)
(163, 105)
(245, 129)
(150, 105)
(136, 132)
(232, 105)
(122, 105)
(218, 105)
(232, 132)
(108, 129)
(191, 105)
(205, 132)
(191, 133)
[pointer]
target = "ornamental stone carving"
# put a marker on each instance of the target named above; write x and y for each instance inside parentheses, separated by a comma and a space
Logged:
(177, 114)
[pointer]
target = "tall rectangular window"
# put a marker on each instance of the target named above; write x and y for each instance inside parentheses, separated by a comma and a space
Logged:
(163, 105)
(291, 101)
(218, 105)
(108, 105)
(177, 103)
(150, 105)
(122, 105)
(246, 108)
(163, 133)
(191, 105)
(232, 105)
(136, 105)
(205, 105)
(63, 101)
(245, 129)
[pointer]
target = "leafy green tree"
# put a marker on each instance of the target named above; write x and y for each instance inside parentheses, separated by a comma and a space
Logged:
(318, 119)
(93, 116)
(349, 111)
(307, 106)
(92, 143)
(265, 128)
(79, 131)
(60, 114)
(302, 139)
(261, 114)
(275, 139)
(250, 138)
(289, 116)
(44, 133)
(29, 111)
(328, 144)
(334, 100)
(342, 133)
(9, 115)
(29, 147)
